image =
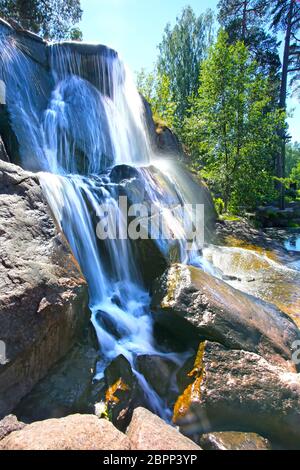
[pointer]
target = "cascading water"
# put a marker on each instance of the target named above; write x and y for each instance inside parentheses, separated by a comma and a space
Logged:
(93, 120)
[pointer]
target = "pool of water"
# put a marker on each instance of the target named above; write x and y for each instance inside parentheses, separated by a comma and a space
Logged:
(293, 242)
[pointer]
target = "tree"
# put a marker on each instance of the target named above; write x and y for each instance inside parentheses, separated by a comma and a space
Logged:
(286, 18)
(238, 17)
(295, 174)
(156, 90)
(292, 157)
(231, 129)
(52, 19)
(182, 50)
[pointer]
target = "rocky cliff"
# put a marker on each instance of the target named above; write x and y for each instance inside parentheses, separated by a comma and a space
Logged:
(43, 296)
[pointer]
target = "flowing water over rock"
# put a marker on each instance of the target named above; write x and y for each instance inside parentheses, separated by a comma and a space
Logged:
(259, 272)
(77, 120)
(74, 124)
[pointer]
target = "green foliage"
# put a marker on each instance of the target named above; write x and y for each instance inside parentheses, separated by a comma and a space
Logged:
(246, 20)
(295, 174)
(182, 50)
(219, 205)
(231, 131)
(157, 91)
(52, 19)
(283, 13)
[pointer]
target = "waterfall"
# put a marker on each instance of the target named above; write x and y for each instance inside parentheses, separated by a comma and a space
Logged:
(75, 132)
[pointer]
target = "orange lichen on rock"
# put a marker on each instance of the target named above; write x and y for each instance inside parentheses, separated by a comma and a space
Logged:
(119, 386)
(238, 243)
(193, 392)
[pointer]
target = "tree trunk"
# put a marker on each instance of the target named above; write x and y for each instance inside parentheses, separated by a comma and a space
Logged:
(282, 104)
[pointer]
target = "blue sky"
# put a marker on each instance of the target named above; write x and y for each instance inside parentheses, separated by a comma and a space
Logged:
(135, 28)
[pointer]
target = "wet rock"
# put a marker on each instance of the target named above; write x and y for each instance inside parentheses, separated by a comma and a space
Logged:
(191, 303)
(151, 261)
(148, 432)
(227, 277)
(121, 173)
(33, 46)
(158, 372)
(5, 27)
(240, 391)
(3, 154)
(234, 441)
(123, 393)
(150, 123)
(8, 425)
(31, 51)
(76, 432)
(168, 143)
(43, 296)
(66, 389)
(197, 192)
(90, 54)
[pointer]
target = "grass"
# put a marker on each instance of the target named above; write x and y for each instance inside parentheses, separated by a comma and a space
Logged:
(230, 217)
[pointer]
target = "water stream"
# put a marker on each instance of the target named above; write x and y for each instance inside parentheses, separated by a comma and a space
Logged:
(79, 125)
(74, 131)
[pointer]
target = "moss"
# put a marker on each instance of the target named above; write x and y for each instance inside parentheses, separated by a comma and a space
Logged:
(230, 217)
(193, 392)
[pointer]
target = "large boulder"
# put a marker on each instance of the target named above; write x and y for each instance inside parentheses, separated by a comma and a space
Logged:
(43, 296)
(233, 390)
(75, 432)
(148, 432)
(193, 304)
(67, 388)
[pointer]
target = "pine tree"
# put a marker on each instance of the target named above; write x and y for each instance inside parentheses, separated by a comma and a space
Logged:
(246, 20)
(286, 18)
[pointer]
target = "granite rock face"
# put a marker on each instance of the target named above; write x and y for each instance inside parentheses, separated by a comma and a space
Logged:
(193, 304)
(239, 390)
(148, 432)
(75, 432)
(43, 296)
